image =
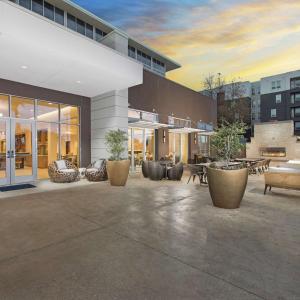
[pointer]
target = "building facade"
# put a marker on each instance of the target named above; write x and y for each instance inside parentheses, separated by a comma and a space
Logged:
(66, 79)
(280, 98)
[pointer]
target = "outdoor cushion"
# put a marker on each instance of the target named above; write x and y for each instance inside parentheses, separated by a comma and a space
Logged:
(92, 170)
(61, 164)
(68, 170)
(98, 163)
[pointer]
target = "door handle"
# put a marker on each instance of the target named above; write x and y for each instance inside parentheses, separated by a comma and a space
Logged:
(12, 155)
(8, 154)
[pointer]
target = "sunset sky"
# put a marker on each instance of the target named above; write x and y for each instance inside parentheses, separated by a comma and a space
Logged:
(240, 39)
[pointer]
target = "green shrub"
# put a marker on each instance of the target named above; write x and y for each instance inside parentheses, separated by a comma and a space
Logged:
(115, 142)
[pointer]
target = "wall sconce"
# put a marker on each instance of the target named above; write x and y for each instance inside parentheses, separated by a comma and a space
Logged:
(195, 138)
(164, 136)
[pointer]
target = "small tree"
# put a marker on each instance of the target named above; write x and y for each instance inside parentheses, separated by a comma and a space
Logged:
(227, 142)
(115, 140)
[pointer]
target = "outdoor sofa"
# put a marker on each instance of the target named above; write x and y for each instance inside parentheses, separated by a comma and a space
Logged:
(281, 177)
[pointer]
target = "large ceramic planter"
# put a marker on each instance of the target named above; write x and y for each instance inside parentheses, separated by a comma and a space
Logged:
(227, 187)
(118, 171)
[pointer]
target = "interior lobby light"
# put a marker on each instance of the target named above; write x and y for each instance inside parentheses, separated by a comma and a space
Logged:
(78, 81)
(24, 67)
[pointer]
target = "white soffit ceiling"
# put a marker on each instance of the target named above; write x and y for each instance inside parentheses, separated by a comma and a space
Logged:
(55, 57)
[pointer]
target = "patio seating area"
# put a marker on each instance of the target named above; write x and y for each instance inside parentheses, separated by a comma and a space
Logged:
(148, 240)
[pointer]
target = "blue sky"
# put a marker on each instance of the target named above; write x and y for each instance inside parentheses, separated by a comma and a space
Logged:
(241, 39)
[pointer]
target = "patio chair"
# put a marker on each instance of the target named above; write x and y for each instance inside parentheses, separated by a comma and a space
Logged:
(63, 171)
(96, 171)
(175, 172)
(195, 171)
(156, 170)
(145, 168)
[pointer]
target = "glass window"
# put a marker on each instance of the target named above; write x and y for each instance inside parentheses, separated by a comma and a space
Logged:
(69, 114)
(49, 11)
(71, 22)
(47, 147)
(297, 125)
(3, 138)
(278, 84)
(99, 34)
(22, 108)
(69, 143)
(25, 3)
(59, 16)
(47, 111)
(297, 111)
(273, 85)
(150, 144)
(295, 83)
(89, 31)
(80, 26)
(278, 98)
(273, 112)
(4, 106)
(37, 6)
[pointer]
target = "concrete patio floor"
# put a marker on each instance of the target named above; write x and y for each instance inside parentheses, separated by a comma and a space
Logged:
(149, 240)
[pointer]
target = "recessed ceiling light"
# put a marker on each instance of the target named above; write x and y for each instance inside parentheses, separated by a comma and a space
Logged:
(1, 114)
(78, 81)
(24, 67)
(50, 103)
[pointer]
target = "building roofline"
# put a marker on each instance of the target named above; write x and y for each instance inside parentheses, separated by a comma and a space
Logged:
(280, 74)
(172, 63)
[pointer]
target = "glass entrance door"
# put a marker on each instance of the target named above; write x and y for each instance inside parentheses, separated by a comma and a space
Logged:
(17, 151)
(4, 152)
(22, 151)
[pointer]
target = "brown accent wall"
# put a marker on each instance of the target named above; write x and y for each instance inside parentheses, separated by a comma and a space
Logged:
(166, 97)
(163, 148)
(25, 90)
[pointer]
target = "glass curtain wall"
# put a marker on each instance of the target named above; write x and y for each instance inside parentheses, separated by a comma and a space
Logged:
(57, 135)
(178, 147)
(141, 146)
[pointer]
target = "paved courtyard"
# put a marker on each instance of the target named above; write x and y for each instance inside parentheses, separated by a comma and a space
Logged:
(149, 240)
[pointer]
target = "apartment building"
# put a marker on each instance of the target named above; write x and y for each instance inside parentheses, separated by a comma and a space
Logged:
(280, 98)
(65, 80)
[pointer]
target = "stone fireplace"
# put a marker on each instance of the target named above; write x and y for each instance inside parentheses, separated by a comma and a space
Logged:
(275, 140)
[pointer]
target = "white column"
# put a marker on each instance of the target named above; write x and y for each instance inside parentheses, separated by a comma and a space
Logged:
(108, 111)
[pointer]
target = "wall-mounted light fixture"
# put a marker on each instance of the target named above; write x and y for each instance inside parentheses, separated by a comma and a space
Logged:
(195, 138)
(164, 136)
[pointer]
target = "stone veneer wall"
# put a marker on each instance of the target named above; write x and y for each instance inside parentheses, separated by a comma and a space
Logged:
(274, 134)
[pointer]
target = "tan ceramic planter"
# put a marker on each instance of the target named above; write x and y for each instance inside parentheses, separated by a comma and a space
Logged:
(118, 172)
(227, 187)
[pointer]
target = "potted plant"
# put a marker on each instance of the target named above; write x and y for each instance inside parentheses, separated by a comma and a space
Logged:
(117, 167)
(227, 183)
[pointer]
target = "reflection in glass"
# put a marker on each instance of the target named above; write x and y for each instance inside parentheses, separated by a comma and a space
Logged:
(70, 143)
(138, 146)
(175, 146)
(69, 114)
(22, 108)
(47, 147)
(184, 147)
(150, 145)
(4, 107)
(23, 149)
(2, 149)
(47, 111)
(129, 144)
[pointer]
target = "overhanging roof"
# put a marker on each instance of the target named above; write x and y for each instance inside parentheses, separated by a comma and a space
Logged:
(39, 52)
(185, 130)
(146, 124)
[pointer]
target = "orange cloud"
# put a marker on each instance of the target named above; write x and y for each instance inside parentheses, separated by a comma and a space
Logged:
(250, 40)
